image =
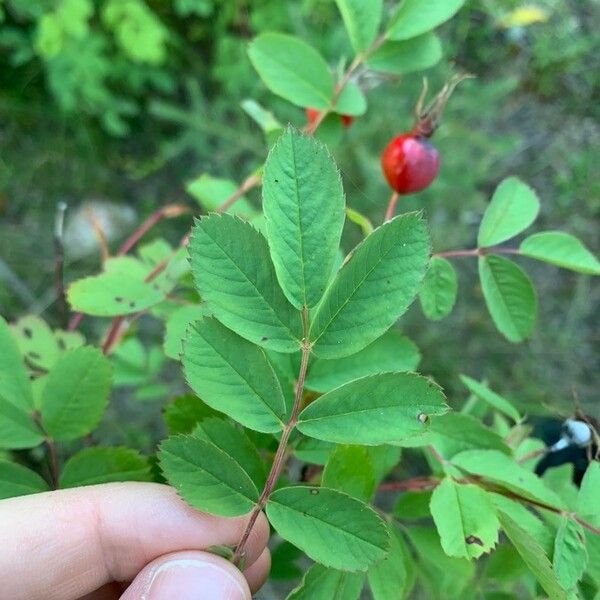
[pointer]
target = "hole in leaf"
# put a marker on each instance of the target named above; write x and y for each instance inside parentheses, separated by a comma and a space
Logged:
(423, 417)
(314, 491)
(132, 304)
(471, 539)
(264, 338)
(61, 344)
(27, 332)
(118, 299)
(34, 355)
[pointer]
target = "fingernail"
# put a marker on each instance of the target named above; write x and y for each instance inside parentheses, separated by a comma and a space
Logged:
(191, 579)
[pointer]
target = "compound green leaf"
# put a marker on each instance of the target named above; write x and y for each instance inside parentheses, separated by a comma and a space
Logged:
(234, 442)
(185, 412)
(236, 278)
(350, 470)
(177, 325)
(14, 380)
(321, 583)
(498, 468)
(513, 208)
(76, 394)
(440, 286)
(16, 480)
(377, 409)
(534, 557)
(292, 69)
(562, 249)
(362, 21)
(122, 288)
(510, 297)
(415, 17)
(207, 477)
(91, 466)
(17, 427)
(407, 56)
(588, 507)
(374, 287)
(455, 432)
(465, 519)
(330, 527)
(391, 352)
(388, 578)
(233, 376)
(492, 398)
(303, 202)
(570, 555)
(37, 343)
(210, 192)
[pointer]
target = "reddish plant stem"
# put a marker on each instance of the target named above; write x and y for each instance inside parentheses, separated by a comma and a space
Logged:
(281, 453)
(251, 182)
(166, 212)
(414, 484)
(54, 471)
(52, 454)
(113, 335)
(477, 252)
(428, 483)
(391, 208)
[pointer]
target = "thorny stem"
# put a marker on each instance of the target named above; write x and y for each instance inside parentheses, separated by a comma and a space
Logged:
(391, 209)
(281, 453)
(477, 252)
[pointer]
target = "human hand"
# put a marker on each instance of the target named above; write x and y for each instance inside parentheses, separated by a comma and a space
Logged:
(90, 543)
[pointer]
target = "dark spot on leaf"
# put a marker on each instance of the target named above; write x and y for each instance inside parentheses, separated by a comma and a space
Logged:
(118, 299)
(471, 539)
(61, 344)
(264, 338)
(277, 181)
(423, 417)
(27, 332)
(387, 281)
(132, 304)
(34, 355)
(314, 491)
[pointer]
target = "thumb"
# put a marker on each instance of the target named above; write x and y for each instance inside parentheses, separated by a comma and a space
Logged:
(189, 576)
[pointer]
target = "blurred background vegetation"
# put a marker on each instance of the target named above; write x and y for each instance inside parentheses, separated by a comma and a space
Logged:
(122, 102)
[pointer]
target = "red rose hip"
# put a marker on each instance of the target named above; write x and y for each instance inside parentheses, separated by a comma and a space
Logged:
(410, 163)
